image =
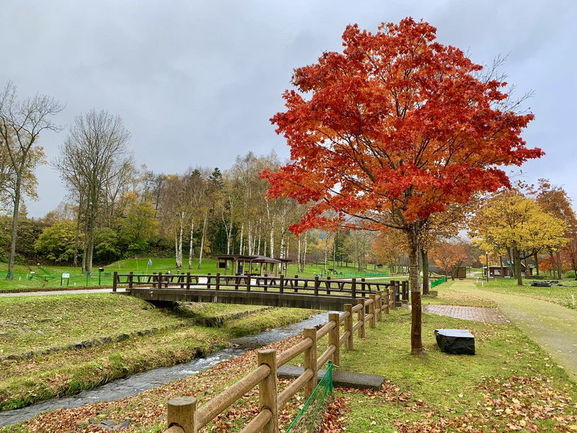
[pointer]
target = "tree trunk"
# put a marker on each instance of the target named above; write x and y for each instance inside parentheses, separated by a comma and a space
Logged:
(517, 266)
(537, 263)
(191, 244)
(202, 240)
(416, 339)
(304, 260)
(425, 262)
(299, 253)
(559, 265)
(249, 240)
(14, 228)
(180, 233)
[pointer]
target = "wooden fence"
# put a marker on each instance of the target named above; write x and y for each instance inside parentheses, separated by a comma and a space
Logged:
(184, 415)
(314, 286)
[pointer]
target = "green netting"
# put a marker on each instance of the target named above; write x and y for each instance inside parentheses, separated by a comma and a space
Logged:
(439, 281)
(309, 418)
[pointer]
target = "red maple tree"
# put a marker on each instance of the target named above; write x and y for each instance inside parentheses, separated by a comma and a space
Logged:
(391, 130)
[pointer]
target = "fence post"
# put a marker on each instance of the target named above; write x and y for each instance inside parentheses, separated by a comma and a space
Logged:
(363, 286)
(310, 360)
(404, 292)
(349, 326)
(182, 412)
(114, 281)
(218, 281)
(281, 284)
(267, 389)
(334, 337)
(188, 281)
(130, 280)
(361, 318)
(248, 278)
(380, 306)
(387, 300)
(317, 284)
(354, 287)
(372, 311)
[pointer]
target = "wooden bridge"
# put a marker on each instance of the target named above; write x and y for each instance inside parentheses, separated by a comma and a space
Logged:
(276, 291)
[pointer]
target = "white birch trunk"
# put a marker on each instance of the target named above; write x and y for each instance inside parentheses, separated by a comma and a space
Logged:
(272, 240)
(202, 240)
(240, 247)
(191, 244)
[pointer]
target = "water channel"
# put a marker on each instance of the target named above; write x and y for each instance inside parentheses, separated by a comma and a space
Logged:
(140, 382)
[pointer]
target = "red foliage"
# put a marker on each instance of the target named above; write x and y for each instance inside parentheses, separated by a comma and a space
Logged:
(397, 121)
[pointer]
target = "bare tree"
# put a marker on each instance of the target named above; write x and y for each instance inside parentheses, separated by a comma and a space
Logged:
(92, 160)
(21, 123)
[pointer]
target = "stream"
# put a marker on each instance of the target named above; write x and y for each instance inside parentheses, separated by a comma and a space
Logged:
(140, 382)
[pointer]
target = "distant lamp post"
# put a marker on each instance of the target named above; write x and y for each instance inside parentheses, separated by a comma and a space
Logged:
(100, 270)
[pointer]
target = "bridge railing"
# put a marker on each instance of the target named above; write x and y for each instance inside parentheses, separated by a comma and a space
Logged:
(313, 286)
(185, 416)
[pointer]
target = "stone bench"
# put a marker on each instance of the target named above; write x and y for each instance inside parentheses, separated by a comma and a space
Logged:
(455, 341)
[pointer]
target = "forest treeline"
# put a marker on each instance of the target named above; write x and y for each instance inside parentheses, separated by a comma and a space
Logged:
(116, 208)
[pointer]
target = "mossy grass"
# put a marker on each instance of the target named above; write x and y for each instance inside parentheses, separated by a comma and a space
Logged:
(71, 318)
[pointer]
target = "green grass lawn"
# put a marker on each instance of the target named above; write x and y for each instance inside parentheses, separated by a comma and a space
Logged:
(40, 276)
(504, 387)
(34, 324)
(565, 295)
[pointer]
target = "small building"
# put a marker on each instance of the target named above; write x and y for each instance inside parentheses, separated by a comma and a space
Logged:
(238, 264)
(459, 272)
(506, 271)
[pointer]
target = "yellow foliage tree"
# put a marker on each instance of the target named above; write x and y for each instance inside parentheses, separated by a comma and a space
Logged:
(512, 222)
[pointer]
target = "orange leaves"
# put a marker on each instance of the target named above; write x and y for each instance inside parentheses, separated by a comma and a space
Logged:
(395, 122)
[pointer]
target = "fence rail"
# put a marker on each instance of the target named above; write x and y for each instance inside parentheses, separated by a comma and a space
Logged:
(312, 286)
(184, 415)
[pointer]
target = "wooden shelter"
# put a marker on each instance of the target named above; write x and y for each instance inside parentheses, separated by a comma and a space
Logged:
(506, 271)
(239, 264)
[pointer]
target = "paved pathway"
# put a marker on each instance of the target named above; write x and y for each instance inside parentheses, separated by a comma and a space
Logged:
(552, 326)
(58, 292)
(478, 314)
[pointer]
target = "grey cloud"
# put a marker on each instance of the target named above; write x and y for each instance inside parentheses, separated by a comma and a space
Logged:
(197, 81)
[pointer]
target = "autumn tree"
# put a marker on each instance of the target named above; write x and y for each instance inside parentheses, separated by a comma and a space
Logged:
(390, 248)
(392, 130)
(21, 124)
(510, 222)
(555, 201)
(449, 254)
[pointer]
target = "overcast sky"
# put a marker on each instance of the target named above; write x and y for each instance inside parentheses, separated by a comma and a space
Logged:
(197, 81)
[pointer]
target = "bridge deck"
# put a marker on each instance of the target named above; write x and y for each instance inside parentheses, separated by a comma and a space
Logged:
(276, 291)
(274, 299)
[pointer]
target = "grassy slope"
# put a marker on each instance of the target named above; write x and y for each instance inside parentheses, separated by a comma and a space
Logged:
(43, 322)
(49, 276)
